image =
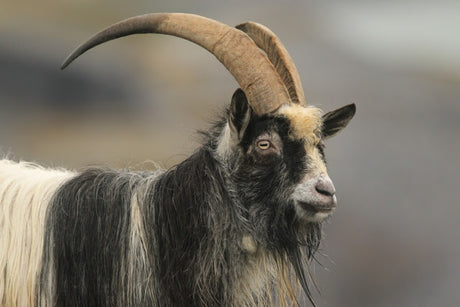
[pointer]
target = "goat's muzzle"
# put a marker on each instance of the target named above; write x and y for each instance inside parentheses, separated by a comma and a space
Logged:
(315, 198)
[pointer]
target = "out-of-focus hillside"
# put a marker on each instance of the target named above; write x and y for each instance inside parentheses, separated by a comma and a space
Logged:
(394, 238)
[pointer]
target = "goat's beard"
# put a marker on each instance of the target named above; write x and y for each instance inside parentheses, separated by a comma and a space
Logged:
(301, 252)
(279, 229)
(288, 239)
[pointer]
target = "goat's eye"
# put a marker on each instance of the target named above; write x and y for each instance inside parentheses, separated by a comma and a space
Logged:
(264, 144)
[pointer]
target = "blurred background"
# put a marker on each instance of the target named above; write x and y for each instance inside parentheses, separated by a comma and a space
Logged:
(394, 240)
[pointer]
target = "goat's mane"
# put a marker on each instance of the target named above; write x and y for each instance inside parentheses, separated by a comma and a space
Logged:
(178, 235)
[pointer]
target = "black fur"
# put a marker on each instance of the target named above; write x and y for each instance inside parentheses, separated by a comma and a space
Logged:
(193, 219)
(265, 188)
(336, 120)
(88, 225)
(239, 110)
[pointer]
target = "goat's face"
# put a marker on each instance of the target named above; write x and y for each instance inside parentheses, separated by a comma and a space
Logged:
(279, 169)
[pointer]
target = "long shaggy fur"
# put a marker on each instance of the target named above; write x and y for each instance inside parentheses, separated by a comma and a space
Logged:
(106, 238)
(219, 229)
(25, 193)
(139, 239)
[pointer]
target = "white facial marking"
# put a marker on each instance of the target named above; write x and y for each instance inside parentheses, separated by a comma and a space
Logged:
(310, 204)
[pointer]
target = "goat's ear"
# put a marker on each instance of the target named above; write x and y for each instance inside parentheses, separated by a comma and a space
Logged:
(335, 121)
(239, 114)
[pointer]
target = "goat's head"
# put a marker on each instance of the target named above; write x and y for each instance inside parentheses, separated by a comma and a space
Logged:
(271, 143)
(279, 159)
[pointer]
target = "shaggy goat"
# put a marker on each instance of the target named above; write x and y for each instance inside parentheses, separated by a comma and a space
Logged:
(232, 224)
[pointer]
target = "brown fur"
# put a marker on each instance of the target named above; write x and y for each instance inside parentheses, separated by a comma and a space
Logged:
(305, 122)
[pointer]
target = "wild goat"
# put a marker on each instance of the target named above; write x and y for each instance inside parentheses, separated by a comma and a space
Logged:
(231, 225)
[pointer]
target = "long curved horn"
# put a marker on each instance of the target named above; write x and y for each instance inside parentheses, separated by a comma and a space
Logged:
(278, 55)
(237, 51)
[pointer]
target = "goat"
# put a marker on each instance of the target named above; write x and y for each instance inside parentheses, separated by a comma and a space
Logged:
(236, 222)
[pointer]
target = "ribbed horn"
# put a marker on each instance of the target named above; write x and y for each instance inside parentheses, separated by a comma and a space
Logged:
(237, 51)
(279, 56)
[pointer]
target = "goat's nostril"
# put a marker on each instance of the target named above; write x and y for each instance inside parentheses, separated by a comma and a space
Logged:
(325, 187)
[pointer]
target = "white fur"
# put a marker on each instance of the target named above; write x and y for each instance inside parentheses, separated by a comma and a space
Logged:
(226, 142)
(139, 271)
(25, 192)
(305, 192)
(257, 280)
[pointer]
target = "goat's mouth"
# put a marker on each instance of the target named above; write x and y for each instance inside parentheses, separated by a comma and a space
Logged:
(313, 212)
(315, 208)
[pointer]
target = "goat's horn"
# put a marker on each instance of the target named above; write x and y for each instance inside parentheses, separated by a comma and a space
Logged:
(278, 55)
(237, 51)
